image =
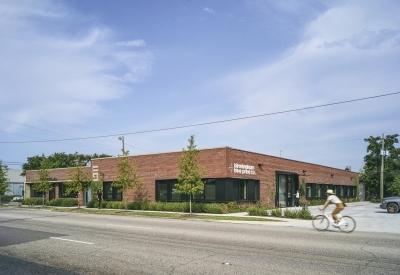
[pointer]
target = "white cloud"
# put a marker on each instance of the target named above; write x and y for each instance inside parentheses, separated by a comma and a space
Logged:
(132, 43)
(52, 75)
(208, 10)
(345, 54)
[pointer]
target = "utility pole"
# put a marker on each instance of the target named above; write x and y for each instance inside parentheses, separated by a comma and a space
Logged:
(383, 157)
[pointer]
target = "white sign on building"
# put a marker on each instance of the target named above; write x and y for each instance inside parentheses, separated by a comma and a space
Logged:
(243, 169)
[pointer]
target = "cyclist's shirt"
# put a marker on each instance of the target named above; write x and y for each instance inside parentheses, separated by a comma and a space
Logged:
(334, 199)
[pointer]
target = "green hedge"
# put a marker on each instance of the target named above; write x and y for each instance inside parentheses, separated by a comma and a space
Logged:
(215, 208)
(279, 212)
(64, 202)
(34, 201)
(7, 197)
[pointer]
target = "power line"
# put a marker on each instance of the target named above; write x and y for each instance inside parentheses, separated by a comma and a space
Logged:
(208, 123)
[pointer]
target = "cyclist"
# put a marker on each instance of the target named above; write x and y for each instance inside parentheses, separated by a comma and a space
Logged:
(332, 198)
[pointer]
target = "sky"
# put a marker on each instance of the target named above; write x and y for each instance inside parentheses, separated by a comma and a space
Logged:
(301, 80)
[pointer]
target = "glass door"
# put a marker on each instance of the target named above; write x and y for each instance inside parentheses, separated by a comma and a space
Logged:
(282, 190)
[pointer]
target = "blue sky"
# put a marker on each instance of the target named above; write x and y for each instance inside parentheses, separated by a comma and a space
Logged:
(88, 68)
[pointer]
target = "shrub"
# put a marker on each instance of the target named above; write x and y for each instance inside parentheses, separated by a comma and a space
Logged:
(92, 204)
(65, 202)
(276, 212)
(257, 211)
(7, 197)
(214, 208)
(34, 201)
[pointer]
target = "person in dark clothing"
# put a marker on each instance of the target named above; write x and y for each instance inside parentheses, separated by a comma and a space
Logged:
(99, 196)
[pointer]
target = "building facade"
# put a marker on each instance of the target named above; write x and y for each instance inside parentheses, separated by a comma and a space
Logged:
(231, 175)
(16, 182)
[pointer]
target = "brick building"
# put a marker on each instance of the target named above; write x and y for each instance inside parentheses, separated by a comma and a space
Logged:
(231, 175)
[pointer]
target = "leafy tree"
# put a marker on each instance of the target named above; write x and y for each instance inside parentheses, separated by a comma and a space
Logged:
(394, 189)
(96, 185)
(59, 160)
(78, 181)
(191, 173)
(370, 174)
(127, 175)
(4, 187)
(43, 184)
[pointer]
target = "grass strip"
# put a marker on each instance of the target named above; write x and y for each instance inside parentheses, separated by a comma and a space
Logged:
(161, 215)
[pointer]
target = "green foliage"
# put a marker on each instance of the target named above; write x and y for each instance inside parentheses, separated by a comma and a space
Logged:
(257, 211)
(43, 184)
(370, 174)
(7, 197)
(394, 188)
(33, 201)
(191, 173)
(78, 180)
(298, 214)
(97, 185)
(276, 212)
(3, 180)
(127, 176)
(59, 160)
(64, 202)
(214, 208)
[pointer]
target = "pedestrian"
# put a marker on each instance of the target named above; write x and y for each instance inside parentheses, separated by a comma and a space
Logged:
(297, 199)
(99, 196)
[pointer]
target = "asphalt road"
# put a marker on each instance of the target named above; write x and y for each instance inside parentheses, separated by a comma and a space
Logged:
(44, 242)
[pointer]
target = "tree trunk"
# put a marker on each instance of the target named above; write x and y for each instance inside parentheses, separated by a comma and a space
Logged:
(190, 204)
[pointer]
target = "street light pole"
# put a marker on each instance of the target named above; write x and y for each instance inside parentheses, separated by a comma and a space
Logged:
(123, 145)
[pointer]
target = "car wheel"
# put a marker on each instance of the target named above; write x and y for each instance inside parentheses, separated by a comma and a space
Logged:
(392, 208)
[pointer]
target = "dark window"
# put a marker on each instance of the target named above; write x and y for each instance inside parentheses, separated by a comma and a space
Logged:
(111, 193)
(215, 190)
(209, 190)
(308, 191)
(62, 193)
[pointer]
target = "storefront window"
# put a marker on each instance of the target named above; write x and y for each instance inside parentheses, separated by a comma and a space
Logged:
(209, 190)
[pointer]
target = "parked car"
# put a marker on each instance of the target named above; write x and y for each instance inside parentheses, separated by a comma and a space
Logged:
(391, 204)
(18, 198)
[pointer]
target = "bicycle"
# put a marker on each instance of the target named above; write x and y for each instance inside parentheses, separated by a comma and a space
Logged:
(321, 222)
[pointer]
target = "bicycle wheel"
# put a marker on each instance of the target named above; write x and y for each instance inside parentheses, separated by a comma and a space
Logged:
(349, 224)
(320, 222)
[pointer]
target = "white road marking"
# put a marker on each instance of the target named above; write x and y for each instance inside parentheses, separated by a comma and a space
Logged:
(130, 226)
(70, 240)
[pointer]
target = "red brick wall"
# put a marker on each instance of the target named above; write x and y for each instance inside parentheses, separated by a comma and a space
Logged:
(218, 163)
(269, 165)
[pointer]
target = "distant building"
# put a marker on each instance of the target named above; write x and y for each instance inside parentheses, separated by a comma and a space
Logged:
(16, 185)
(232, 175)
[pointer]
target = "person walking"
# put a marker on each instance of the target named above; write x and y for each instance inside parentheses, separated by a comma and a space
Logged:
(297, 199)
(99, 196)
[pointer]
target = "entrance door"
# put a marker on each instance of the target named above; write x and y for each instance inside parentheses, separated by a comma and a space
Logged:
(286, 189)
(282, 190)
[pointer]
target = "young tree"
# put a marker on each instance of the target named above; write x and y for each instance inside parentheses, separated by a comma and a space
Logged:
(127, 175)
(4, 187)
(43, 184)
(78, 181)
(191, 173)
(370, 174)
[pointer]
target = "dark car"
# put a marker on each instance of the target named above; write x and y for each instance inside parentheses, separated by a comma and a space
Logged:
(391, 204)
